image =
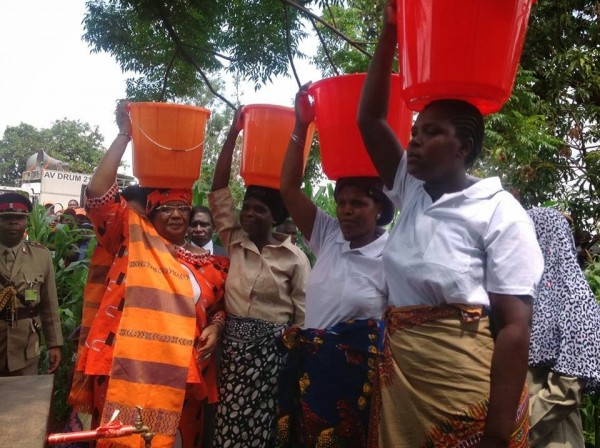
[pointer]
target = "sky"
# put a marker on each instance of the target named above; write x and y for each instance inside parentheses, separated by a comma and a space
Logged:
(49, 73)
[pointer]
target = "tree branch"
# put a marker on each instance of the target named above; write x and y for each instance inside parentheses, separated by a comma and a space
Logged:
(328, 6)
(328, 26)
(288, 44)
(325, 49)
(166, 77)
(207, 50)
(177, 41)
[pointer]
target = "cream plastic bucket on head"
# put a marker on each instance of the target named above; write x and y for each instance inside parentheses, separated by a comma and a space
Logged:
(267, 131)
(168, 140)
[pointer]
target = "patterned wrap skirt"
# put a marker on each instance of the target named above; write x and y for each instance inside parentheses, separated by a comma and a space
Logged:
(327, 385)
(434, 380)
(251, 363)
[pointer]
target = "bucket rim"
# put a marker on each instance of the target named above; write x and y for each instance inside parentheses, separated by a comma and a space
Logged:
(267, 106)
(164, 105)
(322, 82)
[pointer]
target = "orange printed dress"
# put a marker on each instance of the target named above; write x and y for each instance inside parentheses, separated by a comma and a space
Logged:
(141, 348)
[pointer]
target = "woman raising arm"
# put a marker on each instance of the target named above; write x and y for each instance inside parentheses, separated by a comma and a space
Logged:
(462, 266)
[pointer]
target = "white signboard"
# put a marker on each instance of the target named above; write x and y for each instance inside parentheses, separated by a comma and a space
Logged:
(57, 187)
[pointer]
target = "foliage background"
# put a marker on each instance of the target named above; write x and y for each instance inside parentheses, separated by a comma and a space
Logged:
(543, 144)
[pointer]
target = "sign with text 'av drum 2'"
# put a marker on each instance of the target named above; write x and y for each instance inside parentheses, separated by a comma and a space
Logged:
(50, 186)
(61, 182)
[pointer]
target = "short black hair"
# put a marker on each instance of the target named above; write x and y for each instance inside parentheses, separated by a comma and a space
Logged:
(201, 209)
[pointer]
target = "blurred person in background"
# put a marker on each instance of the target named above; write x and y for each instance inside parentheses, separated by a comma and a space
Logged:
(201, 230)
(564, 350)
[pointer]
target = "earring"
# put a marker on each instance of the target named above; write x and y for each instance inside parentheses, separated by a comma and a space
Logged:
(378, 215)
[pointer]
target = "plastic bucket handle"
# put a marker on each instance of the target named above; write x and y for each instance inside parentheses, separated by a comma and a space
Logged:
(158, 144)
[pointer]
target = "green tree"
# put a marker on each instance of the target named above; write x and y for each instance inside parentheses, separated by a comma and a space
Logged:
(543, 143)
(562, 50)
(71, 141)
(18, 143)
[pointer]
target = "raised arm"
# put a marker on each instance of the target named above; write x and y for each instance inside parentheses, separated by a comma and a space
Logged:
(223, 167)
(512, 319)
(382, 144)
(106, 173)
(301, 208)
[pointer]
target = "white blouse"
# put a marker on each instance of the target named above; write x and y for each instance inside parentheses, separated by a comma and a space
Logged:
(461, 247)
(344, 283)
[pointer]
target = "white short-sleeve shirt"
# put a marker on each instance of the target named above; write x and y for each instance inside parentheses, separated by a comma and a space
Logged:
(345, 283)
(461, 247)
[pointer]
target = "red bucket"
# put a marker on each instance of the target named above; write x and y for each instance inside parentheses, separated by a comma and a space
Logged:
(267, 131)
(460, 49)
(343, 152)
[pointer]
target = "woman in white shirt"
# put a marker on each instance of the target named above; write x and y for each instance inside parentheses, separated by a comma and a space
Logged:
(333, 358)
(462, 265)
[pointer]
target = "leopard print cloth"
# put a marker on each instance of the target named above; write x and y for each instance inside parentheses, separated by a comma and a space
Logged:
(565, 334)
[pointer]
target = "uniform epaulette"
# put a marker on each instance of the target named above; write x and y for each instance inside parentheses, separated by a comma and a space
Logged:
(36, 244)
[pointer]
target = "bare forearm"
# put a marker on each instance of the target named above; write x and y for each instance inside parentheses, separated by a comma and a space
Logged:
(379, 138)
(301, 208)
(376, 89)
(509, 370)
(223, 166)
(291, 172)
(105, 174)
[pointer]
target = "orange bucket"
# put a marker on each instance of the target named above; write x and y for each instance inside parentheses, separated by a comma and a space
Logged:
(168, 140)
(343, 153)
(460, 49)
(267, 131)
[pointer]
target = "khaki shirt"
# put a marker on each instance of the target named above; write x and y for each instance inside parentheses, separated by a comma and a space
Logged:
(32, 270)
(554, 416)
(270, 285)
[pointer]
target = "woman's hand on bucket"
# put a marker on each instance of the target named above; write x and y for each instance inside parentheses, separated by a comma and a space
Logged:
(122, 117)
(305, 111)
(389, 14)
(237, 124)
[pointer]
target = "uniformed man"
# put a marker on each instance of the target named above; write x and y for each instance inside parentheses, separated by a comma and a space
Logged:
(28, 300)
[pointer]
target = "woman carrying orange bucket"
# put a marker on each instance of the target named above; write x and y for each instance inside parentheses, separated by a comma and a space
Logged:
(462, 265)
(158, 316)
(264, 295)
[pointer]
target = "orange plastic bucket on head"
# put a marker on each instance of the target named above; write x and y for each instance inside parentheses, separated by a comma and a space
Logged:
(168, 140)
(343, 153)
(267, 131)
(460, 49)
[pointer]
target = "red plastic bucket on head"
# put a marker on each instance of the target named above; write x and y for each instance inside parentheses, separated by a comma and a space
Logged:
(343, 153)
(267, 131)
(168, 140)
(460, 49)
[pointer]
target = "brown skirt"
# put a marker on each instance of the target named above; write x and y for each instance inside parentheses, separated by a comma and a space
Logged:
(434, 380)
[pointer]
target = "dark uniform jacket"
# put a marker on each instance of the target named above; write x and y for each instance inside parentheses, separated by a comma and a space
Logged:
(32, 270)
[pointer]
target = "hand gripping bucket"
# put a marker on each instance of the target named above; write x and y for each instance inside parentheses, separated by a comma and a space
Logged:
(267, 131)
(460, 49)
(168, 140)
(343, 153)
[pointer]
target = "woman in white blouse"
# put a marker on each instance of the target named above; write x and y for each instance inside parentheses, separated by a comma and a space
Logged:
(462, 265)
(333, 359)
